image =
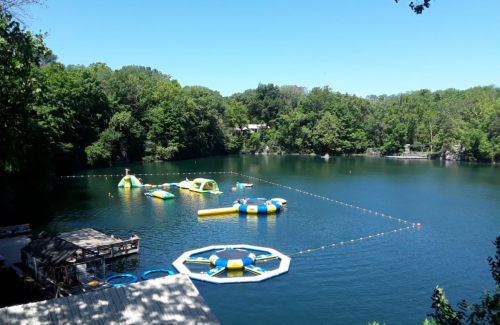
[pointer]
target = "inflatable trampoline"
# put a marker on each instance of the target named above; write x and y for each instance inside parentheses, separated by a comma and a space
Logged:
(257, 205)
(234, 260)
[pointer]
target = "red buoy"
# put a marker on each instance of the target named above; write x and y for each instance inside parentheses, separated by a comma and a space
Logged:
(418, 225)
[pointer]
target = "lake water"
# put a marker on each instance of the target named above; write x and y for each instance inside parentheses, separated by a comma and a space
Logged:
(389, 278)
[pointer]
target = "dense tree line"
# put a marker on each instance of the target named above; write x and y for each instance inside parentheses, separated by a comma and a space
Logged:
(57, 119)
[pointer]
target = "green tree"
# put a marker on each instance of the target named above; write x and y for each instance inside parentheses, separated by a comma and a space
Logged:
(24, 155)
(236, 114)
(326, 134)
(20, 84)
(487, 311)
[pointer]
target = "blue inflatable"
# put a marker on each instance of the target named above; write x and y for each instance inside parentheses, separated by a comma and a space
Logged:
(133, 277)
(257, 205)
(144, 276)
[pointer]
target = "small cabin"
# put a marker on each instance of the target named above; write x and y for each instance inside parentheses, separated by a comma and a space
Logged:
(62, 267)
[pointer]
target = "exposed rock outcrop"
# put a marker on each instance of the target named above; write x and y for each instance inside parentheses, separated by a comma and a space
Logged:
(373, 152)
(453, 152)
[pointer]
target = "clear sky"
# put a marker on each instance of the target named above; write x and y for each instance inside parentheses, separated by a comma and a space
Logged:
(359, 47)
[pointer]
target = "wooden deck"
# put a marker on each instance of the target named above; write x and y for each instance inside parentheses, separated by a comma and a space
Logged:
(168, 300)
(16, 230)
(100, 243)
(10, 249)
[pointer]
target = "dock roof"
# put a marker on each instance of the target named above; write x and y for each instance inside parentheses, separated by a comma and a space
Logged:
(50, 250)
(88, 237)
(167, 300)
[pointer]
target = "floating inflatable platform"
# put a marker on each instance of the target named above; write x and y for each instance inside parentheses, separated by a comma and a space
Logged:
(204, 185)
(254, 206)
(185, 184)
(160, 194)
(169, 185)
(130, 181)
(212, 212)
(244, 184)
(229, 258)
(258, 205)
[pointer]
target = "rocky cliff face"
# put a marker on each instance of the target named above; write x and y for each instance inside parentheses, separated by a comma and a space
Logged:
(373, 152)
(452, 152)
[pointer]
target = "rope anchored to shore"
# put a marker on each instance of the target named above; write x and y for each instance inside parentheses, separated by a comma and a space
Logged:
(413, 225)
(352, 241)
(327, 199)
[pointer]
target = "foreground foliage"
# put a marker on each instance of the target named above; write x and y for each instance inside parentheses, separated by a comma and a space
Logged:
(487, 311)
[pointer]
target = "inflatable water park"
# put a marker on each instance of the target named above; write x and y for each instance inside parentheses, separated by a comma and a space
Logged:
(227, 263)
(209, 186)
(229, 258)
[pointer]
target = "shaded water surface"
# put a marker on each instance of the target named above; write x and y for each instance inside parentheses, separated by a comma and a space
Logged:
(388, 278)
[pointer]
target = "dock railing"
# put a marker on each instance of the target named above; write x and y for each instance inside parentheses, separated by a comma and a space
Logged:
(123, 247)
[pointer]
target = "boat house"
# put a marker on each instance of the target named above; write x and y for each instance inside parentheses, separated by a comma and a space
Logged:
(61, 267)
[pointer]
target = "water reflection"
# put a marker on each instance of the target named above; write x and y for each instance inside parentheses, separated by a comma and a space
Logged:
(128, 198)
(187, 195)
(123, 264)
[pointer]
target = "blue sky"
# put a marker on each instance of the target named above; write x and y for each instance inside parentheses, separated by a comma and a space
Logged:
(359, 47)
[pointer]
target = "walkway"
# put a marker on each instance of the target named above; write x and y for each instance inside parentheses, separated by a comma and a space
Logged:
(10, 249)
(167, 300)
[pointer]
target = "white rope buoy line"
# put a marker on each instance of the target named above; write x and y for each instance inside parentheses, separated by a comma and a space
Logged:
(413, 225)
(146, 174)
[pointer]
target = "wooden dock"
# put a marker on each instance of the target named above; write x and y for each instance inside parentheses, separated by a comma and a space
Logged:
(10, 249)
(167, 300)
(12, 239)
(16, 230)
(100, 243)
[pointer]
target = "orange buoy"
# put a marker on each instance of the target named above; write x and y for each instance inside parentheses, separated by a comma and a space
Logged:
(418, 225)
